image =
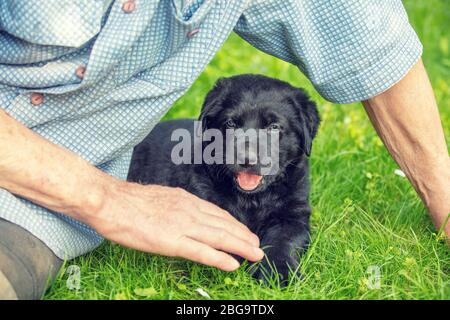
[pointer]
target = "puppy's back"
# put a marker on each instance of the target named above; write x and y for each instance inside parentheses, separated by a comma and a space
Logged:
(151, 162)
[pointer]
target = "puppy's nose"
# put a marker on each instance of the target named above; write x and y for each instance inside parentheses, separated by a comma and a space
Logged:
(247, 159)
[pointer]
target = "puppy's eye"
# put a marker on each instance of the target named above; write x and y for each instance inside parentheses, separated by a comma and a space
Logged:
(274, 127)
(230, 124)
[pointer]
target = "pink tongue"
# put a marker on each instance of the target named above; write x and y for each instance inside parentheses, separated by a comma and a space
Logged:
(248, 181)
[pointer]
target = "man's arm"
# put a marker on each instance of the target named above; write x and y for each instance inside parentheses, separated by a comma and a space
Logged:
(167, 221)
(406, 118)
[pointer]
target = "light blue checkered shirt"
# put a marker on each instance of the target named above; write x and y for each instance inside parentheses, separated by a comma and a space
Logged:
(137, 63)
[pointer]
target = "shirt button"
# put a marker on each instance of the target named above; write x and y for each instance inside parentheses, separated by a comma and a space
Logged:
(129, 6)
(36, 98)
(80, 72)
(192, 33)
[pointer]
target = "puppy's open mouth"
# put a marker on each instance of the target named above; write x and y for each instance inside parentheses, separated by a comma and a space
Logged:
(248, 181)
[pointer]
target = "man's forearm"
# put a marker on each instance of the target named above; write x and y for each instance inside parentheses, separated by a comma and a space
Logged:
(406, 118)
(47, 174)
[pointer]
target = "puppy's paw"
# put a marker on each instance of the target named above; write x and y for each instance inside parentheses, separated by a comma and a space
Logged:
(275, 272)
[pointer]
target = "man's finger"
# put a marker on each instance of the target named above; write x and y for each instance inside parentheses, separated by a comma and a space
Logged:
(221, 239)
(223, 223)
(212, 209)
(199, 252)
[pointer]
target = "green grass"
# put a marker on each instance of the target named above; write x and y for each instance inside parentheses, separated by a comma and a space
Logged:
(364, 215)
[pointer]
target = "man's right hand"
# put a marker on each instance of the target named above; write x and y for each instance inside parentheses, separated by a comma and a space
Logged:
(174, 222)
(155, 219)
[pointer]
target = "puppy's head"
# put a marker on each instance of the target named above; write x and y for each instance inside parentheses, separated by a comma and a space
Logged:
(267, 126)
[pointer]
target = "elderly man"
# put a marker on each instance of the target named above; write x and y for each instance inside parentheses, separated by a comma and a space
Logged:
(82, 82)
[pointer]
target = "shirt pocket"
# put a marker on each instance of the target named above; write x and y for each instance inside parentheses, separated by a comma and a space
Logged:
(186, 21)
(190, 13)
(68, 23)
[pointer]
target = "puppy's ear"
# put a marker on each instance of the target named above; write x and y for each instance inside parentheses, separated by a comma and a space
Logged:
(213, 100)
(308, 119)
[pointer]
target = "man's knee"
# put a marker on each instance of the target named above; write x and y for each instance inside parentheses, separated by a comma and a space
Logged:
(27, 265)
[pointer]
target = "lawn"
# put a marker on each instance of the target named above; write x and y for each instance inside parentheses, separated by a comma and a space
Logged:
(367, 222)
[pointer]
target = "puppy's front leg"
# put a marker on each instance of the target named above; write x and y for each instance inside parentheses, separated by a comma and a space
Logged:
(283, 243)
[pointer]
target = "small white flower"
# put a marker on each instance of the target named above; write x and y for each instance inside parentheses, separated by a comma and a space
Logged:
(399, 173)
(347, 120)
(203, 293)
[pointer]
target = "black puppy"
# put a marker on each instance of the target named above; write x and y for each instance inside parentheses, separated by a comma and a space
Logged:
(272, 203)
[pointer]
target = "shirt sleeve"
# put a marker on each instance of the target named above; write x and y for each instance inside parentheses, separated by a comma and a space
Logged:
(350, 50)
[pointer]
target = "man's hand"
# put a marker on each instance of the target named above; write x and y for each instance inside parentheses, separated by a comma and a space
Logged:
(155, 219)
(173, 222)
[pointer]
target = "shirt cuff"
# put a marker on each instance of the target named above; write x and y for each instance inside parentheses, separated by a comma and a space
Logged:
(379, 77)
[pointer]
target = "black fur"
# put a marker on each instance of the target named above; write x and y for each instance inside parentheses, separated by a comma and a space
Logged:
(278, 211)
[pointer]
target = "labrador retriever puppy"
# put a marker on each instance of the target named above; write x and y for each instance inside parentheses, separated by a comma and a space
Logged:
(267, 191)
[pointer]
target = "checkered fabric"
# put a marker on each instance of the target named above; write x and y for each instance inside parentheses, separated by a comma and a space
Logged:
(139, 56)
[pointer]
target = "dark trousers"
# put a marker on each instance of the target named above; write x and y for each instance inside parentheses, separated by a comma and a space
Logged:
(27, 265)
